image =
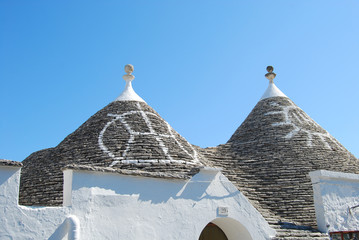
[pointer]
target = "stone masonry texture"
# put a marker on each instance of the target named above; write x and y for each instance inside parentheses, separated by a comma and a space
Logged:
(42, 178)
(268, 158)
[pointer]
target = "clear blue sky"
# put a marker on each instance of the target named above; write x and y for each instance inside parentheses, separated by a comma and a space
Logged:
(199, 64)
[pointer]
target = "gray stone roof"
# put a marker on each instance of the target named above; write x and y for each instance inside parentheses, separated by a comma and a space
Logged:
(140, 173)
(125, 135)
(9, 163)
(269, 158)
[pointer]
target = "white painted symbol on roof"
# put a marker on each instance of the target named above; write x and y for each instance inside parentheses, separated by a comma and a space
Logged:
(131, 140)
(300, 122)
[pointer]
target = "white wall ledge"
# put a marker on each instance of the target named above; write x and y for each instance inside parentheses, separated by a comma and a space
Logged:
(325, 174)
(335, 193)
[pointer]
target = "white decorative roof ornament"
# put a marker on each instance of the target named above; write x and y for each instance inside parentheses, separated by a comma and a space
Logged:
(272, 90)
(128, 93)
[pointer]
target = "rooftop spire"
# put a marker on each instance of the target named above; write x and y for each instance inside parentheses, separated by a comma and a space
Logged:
(270, 75)
(129, 70)
(129, 94)
(272, 90)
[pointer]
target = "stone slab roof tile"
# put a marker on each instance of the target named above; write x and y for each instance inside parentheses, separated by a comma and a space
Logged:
(133, 172)
(9, 163)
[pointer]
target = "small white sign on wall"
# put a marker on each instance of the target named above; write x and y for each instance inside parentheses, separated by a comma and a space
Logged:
(222, 211)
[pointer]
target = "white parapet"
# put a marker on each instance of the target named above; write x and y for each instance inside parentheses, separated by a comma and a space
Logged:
(9, 185)
(67, 188)
(336, 199)
(126, 205)
(117, 206)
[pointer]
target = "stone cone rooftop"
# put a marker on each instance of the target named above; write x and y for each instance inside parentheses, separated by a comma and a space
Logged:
(126, 135)
(269, 158)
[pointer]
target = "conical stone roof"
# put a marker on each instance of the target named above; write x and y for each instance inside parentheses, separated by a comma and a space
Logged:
(276, 147)
(126, 134)
(270, 155)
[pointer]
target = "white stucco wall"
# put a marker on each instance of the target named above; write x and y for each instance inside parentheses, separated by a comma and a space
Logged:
(114, 206)
(335, 194)
(9, 182)
(19, 222)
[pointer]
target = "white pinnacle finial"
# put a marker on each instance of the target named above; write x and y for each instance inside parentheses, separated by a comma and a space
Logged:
(270, 75)
(129, 94)
(272, 90)
(129, 70)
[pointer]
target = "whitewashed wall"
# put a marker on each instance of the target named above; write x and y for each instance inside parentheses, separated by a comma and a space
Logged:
(335, 195)
(114, 206)
(19, 222)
